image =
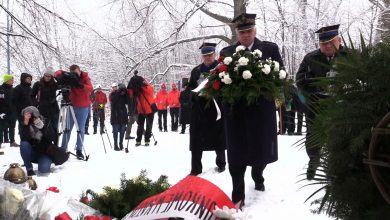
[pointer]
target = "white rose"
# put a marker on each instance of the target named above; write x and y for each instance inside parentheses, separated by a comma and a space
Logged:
(282, 74)
(239, 48)
(221, 74)
(227, 60)
(266, 69)
(243, 61)
(257, 53)
(246, 74)
(276, 66)
(226, 79)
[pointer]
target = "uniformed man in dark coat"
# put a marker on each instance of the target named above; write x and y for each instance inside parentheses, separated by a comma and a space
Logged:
(311, 68)
(206, 133)
(250, 129)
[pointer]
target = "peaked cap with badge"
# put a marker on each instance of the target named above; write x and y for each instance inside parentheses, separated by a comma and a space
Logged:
(244, 21)
(328, 33)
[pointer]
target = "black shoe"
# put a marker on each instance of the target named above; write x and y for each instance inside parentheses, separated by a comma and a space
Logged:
(290, 133)
(6, 141)
(182, 132)
(298, 133)
(86, 133)
(30, 173)
(94, 132)
(130, 137)
(80, 155)
(220, 169)
(102, 132)
(165, 130)
(116, 148)
(193, 173)
(147, 143)
(138, 143)
(121, 146)
(259, 186)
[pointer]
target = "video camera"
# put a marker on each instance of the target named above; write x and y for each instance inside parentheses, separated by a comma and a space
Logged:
(66, 81)
(136, 83)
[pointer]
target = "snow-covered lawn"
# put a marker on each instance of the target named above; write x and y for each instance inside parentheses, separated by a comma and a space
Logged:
(283, 198)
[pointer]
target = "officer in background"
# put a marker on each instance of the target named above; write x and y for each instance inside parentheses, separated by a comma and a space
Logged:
(314, 65)
(206, 134)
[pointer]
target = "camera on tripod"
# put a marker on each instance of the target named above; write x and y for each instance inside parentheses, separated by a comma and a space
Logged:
(66, 81)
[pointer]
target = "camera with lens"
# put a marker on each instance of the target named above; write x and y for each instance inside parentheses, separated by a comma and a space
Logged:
(66, 81)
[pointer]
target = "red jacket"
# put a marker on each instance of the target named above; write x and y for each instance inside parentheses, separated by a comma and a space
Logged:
(79, 97)
(162, 100)
(100, 98)
(144, 99)
(173, 98)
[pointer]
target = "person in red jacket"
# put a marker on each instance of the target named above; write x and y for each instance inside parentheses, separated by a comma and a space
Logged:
(143, 93)
(79, 98)
(99, 100)
(174, 106)
(162, 105)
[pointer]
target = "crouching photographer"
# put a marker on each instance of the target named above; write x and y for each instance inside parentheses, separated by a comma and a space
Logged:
(75, 88)
(146, 107)
(37, 143)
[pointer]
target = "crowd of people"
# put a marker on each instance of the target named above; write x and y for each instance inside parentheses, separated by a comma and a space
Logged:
(248, 132)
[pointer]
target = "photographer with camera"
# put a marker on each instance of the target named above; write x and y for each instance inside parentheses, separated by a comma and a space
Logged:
(75, 88)
(37, 142)
(146, 106)
(119, 101)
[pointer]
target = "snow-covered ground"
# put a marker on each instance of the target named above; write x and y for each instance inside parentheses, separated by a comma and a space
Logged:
(283, 198)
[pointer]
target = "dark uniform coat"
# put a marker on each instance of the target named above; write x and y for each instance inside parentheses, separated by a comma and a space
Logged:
(44, 97)
(251, 129)
(314, 65)
(206, 134)
(185, 106)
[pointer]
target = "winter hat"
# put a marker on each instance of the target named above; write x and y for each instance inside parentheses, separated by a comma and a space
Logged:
(114, 85)
(121, 86)
(163, 86)
(49, 70)
(24, 76)
(34, 111)
(7, 77)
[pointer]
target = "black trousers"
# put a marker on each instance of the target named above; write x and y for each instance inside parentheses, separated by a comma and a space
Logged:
(98, 116)
(300, 121)
(196, 160)
(174, 112)
(290, 121)
(238, 178)
(149, 124)
(162, 119)
(312, 151)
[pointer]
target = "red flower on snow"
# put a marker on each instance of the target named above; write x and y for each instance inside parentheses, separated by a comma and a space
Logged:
(216, 85)
(220, 59)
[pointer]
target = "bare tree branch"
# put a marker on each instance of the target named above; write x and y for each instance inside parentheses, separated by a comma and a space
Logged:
(378, 4)
(168, 68)
(218, 17)
(12, 34)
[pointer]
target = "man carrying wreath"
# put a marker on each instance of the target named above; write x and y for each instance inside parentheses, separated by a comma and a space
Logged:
(250, 129)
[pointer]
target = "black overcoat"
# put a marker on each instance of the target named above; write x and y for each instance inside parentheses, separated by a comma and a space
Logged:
(185, 106)
(119, 99)
(251, 129)
(206, 134)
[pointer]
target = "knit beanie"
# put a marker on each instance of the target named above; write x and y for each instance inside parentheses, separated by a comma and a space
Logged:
(7, 77)
(49, 70)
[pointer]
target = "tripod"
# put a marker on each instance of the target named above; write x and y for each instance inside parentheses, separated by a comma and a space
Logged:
(64, 122)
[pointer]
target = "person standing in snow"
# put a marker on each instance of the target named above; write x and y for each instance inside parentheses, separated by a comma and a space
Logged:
(98, 107)
(206, 134)
(314, 65)
(7, 110)
(162, 105)
(119, 99)
(174, 106)
(250, 129)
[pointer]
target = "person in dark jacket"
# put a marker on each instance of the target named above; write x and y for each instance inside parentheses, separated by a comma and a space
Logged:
(313, 67)
(119, 102)
(250, 129)
(22, 94)
(206, 133)
(185, 108)
(34, 141)
(44, 97)
(7, 111)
